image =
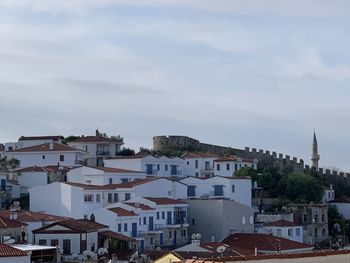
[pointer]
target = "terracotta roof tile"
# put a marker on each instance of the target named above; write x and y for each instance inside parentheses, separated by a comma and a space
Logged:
(121, 211)
(233, 159)
(140, 206)
(126, 185)
(29, 216)
(47, 169)
(95, 139)
(8, 251)
(6, 222)
(77, 225)
(115, 235)
(116, 170)
(56, 147)
(34, 138)
(281, 223)
(165, 201)
(199, 155)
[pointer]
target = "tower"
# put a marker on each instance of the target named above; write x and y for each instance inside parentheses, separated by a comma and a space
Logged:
(315, 157)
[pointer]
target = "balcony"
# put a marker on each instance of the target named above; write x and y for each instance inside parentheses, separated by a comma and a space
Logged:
(177, 222)
(102, 153)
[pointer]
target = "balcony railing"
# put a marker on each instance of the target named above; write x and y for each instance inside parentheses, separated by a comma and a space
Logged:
(102, 152)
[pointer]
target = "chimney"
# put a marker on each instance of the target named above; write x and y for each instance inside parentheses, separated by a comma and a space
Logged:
(51, 145)
(255, 251)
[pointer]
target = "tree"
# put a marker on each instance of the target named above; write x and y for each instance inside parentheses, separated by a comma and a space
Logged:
(12, 163)
(301, 188)
(246, 171)
(69, 139)
(126, 152)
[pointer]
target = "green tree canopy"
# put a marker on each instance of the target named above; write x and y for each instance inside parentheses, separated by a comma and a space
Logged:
(246, 171)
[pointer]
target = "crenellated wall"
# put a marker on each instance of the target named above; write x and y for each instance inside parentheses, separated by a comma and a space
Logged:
(168, 142)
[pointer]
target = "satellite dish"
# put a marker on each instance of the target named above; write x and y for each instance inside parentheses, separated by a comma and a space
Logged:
(220, 249)
(101, 251)
(199, 236)
(158, 248)
(193, 236)
(137, 205)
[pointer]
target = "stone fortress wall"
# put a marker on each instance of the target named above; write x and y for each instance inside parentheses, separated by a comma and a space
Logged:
(168, 142)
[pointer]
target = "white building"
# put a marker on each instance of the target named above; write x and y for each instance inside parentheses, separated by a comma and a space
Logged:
(102, 175)
(10, 254)
(47, 154)
(77, 200)
(32, 176)
(343, 206)
(199, 164)
(227, 166)
(233, 188)
(151, 165)
(283, 228)
(153, 222)
(28, 141)
(98, 147)
(328, 194)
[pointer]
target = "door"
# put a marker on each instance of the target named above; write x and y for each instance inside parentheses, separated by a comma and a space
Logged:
(134, 229)
(169, 218)
(149, 168)
(161, 239)
(151, 223)
(173, 170)
(207, 165)
(218, 190)
(191, 190)
(142, 246)
(175, 233)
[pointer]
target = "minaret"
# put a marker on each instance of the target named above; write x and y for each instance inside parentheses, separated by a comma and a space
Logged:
(315, 157)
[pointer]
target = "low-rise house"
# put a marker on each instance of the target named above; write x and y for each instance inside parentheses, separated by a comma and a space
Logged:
(102, 175)
(32, 220)
(232, 188)
(153, 222)
(147, 163)
(313, 218)
(77, 200)
(74, 236)
(269, 217)
(11, 228)
(28, 141)
(343, 206)
(328, 194)
(47, 154)
(9, 254)
(199, 164)
(32, 176)
(253, 244)
(227, 166)
(98, 147)
(282, 228)
(214, 219)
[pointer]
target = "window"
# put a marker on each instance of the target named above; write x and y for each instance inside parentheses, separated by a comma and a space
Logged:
(127, 196)
(54, 242)
(125, 227)
(85, 148)
(151, 240)
(290, 231)
(236, 167)
(43, 157)
(66, 246)
(228, 167)
(233, 188)
(166, 167)
(191, 190)
(297, 232)
(157, 215)
(188, 163)
(110, 180)
(316, 232)
(110, 200)
(140, 221)
(88, 198)
(119, 227)
(61, 158)
(218, 167)
(305, 218)
(158, 167)
(163, 215)
(170, 192)
(193, 222)
(144, 220)
(149, 168)
(323, 232)
(323, 218)
(10, 148)
(83, 245)
(196, 164)
(170, 234)
(279, 232)
(124, 180)
(98, 198)
(316, 218)
(115, 197)
(196, 174)
(252, 166)
(42, 242)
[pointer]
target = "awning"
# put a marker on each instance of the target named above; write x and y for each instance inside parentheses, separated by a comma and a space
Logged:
(115, 235)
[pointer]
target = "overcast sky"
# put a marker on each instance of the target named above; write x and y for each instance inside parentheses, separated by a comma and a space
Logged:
(258, 73)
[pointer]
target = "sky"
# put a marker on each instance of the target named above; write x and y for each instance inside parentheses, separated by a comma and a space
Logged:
(252, 73)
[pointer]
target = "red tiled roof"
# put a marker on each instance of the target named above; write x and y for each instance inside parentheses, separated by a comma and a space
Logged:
(199, 155)
(76, 225)
(8, 251)
(115, 170)
(121, 211)
(56, 147)
(165, 201)
(29, 216)
(6, 222)
(115, 235)
(262, 242)
(47, 169)
(127, 185)
(140, 206)
(138, 155)
(281, 223)
(233, 159)
(93, 139)
(34, 138)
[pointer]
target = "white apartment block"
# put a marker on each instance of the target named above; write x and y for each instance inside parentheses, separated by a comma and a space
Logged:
(283, 228)
(153, 222)
(102, 175)
(227, 166)
(232, 188)
(28, 141)
(47, 154)
(199, 164)
(98, 147)
(78, 200)
(151, 165)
